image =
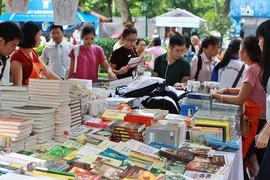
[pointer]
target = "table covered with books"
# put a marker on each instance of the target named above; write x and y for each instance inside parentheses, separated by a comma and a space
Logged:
(119, 130)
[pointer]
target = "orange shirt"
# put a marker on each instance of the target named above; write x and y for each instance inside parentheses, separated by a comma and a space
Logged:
(32, 67)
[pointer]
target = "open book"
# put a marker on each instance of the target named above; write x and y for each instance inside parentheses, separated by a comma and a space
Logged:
(133, 62)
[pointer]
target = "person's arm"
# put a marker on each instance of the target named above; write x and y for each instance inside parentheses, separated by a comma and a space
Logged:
(123, 69)
(71, 68)
(150, 44)
(48, 73)
(239, 99)
(263, 137)
(17, 72)
(107, 67)
(43, 56)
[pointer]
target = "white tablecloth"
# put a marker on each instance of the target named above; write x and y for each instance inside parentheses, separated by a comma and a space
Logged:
(235, 171)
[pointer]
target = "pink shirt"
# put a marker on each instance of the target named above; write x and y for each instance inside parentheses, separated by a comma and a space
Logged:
(155, 51)
(258, 93)
(207, 68)
(88, 62)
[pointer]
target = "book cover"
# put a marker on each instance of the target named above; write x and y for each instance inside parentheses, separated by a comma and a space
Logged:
(174, 155)
(198, 134)
(127, 126)
(176, 167)
(110, 153)
(203, 167)
(59, 151)
(107, 170)
(113, 115)
(220, 160)
(86, 176)
(131, 172)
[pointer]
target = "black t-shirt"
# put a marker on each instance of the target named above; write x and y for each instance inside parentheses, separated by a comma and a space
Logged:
(175, 72)
(120, 58)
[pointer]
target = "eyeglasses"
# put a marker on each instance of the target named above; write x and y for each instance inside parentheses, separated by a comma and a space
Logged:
(131, 40)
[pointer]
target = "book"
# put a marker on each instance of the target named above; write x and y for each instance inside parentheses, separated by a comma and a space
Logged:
(220, 160)
(133, 62)
(127, 126)
(131, 172)
(102, 134)
(176, 167)
(113, 115)
(174, 155)
(14, 88)
(226, 127)
(202, 176)
(107, 171)
(199, 134)
(111, 153)
(16, 121)
(94, 159)
(86, 176)
(204, 167)
(59, 151)
(34, 109)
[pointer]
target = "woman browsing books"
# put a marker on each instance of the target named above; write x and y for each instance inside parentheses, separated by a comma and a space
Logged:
(251, 94)
(120, 57)
(25, 62)
(85, 59)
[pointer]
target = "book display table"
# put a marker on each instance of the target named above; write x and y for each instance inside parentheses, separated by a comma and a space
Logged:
(131, 143)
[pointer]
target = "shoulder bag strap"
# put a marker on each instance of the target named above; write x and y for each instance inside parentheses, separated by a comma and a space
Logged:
(238, 76)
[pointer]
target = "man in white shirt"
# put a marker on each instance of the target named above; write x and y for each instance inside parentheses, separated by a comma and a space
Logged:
(10, 36)
(56, 53)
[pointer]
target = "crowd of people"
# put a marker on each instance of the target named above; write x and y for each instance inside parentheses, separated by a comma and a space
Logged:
(243, 71)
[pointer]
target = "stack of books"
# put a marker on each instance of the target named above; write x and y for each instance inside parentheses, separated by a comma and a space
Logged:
(84, 105)
(13, 132)
(42, 118)
(76, 113)
(124, 131)
(53, 93)
(13, 96)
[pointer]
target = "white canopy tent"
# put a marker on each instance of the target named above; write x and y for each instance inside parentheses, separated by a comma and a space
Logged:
(178, 18)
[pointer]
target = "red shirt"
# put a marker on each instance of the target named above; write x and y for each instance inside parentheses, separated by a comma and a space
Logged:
(32, 68)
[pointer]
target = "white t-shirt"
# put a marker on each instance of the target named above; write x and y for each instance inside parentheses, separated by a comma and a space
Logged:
(6, 75)
(228, 74)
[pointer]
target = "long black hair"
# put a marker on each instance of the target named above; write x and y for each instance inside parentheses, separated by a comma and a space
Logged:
(264, 31)
(232, 49)
(251, 45)
(209, 40)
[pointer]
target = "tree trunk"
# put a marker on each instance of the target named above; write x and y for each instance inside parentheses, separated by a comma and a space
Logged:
(124, 11)
(216, 7)
(226, 6)
(1, 5)
(110, 8)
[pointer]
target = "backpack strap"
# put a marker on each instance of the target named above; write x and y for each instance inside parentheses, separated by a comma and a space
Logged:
(238, 76)
(199, 67)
